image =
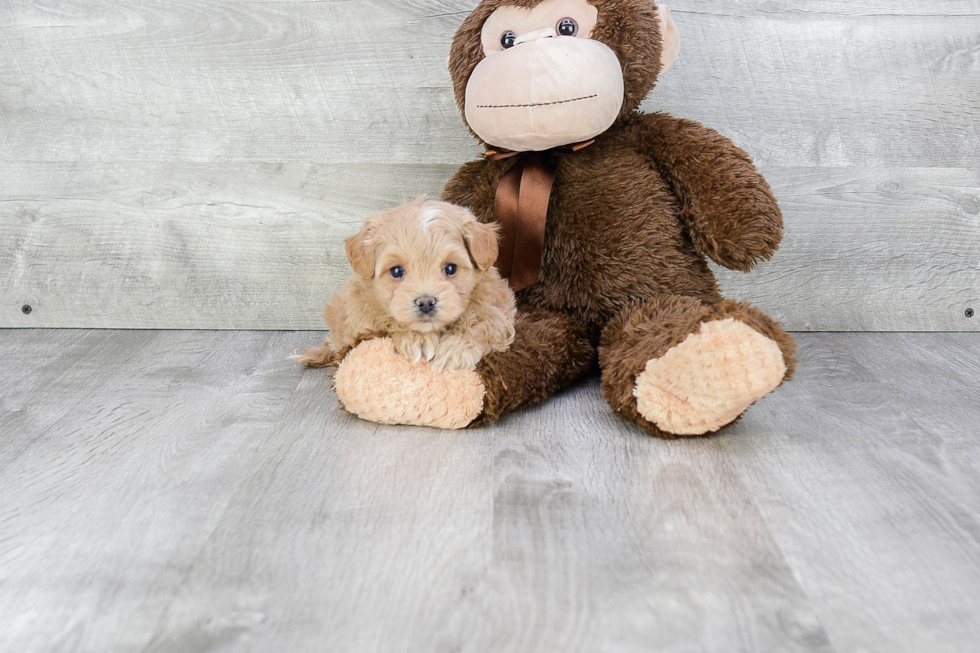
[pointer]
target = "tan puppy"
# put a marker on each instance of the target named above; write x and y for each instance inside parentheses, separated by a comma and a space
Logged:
(425, 279)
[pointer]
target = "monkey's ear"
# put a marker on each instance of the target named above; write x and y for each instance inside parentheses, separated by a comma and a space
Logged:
(360, 250)
(671, 39)
(481, 241)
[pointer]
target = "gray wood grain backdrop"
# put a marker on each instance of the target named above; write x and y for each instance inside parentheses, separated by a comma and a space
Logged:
(195, 164)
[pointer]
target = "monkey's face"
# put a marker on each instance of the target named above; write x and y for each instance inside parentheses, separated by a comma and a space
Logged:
(543, 81)
(536, 74)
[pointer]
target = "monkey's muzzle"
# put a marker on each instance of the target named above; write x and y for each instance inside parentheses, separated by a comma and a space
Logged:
(544, 94)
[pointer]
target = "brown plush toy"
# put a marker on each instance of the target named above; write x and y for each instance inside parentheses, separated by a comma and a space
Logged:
(607, 216)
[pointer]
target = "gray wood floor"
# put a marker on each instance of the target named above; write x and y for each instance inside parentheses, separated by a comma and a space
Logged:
(196, 491)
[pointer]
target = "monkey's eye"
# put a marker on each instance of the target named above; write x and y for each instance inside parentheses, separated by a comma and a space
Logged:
(567, 27)
(507, 39)
(449, 269)
(397, 272)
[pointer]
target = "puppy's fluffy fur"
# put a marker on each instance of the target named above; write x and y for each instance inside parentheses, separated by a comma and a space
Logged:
(424, 278)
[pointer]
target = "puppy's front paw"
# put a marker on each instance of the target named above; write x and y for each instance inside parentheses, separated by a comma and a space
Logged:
(415, 346)
(457, 353)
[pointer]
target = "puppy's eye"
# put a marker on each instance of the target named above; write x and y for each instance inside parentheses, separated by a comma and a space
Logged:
(507, 39)
(567, 27)
(397, 272)
(449, 269)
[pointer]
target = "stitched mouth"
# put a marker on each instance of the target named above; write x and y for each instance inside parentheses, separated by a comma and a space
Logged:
(535, 104)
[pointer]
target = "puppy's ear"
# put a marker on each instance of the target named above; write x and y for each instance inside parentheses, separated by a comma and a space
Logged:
(481, 241)
(360, 249)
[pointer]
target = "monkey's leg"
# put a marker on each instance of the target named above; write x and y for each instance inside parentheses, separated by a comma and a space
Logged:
(549, 352)
(682, 367)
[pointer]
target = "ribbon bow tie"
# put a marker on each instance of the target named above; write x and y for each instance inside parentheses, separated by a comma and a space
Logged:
(521, 209)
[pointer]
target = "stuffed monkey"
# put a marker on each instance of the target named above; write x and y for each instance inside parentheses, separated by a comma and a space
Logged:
(608, 215)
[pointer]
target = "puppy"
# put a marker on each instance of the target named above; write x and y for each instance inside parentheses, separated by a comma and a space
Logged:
(425, 279)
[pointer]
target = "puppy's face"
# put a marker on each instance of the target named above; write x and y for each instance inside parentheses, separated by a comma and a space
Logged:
(422, 261)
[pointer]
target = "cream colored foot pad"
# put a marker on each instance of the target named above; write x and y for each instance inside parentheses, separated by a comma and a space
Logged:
(709, 379)
(377, 384)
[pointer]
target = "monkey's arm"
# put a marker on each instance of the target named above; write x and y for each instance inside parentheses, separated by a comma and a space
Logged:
(727, 205)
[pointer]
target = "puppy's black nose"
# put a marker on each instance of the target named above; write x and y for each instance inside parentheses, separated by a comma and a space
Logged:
(425, 304)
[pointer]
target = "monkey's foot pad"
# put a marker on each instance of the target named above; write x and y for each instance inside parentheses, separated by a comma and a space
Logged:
(709, 379)
(377, 384)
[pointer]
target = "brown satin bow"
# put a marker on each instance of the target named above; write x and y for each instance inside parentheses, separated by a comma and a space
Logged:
(521, 209)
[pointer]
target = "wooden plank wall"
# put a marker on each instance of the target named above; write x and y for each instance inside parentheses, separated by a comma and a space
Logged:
(195, 163)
